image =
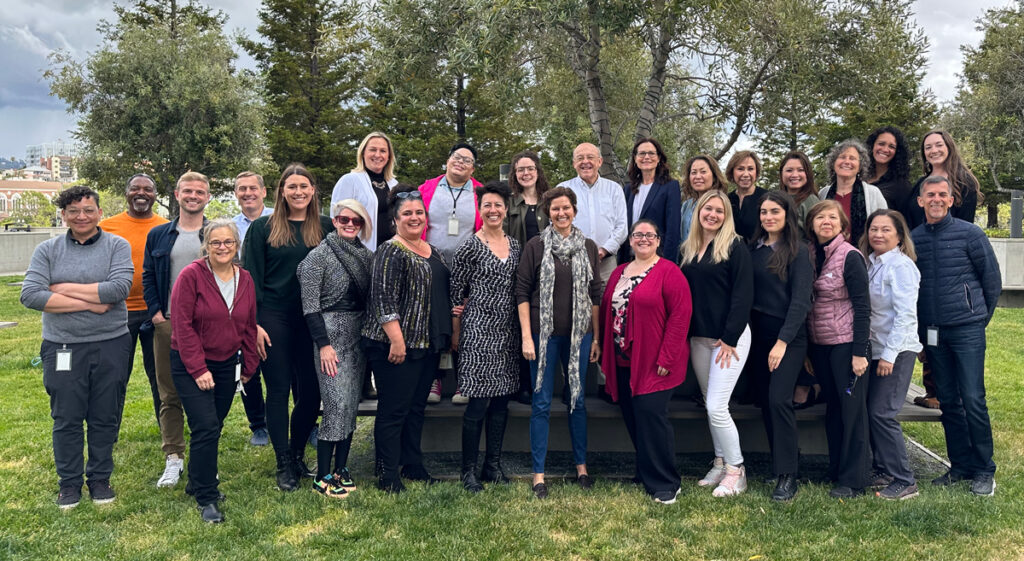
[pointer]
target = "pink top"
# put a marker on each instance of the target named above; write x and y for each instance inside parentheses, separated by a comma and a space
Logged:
(427, 191)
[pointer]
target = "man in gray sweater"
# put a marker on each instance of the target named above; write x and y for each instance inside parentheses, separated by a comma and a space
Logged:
(80, 281)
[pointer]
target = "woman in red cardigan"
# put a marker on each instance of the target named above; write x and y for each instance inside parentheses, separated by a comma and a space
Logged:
(646, 311)
(213, 346)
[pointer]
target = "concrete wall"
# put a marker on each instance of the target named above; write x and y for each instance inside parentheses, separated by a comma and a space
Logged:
(16, 248)
(1010, 254)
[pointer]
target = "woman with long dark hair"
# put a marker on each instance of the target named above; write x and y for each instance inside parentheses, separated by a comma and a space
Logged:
(942, 158)
(700, 175)
(847, 165)
(652, 194)
(796, 177)
(783, 277)
(274, 246)
(890, 165)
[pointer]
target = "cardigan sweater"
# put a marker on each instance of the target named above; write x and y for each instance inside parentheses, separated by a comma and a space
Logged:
(203, 328)
(657, 321)
(429, 187)
(357, 186)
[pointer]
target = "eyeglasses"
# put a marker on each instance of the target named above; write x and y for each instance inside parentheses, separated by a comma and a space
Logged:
(585, 157)
(646, 154)
(73, 212)
(642, 235)
(221, 243)
(462, 159)
(526, 169)
(345, 220)
(409, 195)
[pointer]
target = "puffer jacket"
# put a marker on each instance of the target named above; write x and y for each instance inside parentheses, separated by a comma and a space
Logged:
(830, 321)
(960, 281)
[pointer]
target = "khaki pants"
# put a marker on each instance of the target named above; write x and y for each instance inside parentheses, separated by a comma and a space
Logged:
(172, 416)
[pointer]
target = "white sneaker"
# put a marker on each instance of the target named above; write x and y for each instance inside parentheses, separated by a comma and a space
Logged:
(172, 471)
(435, 392)
(459, 399)
(715, 475)
(734, 482)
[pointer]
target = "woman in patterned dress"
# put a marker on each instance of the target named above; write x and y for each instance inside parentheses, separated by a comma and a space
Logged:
(483, 277)
(335, 283)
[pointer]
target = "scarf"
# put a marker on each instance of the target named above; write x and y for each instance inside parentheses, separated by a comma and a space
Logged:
(569, 250)
(356, 261)
(858, 208)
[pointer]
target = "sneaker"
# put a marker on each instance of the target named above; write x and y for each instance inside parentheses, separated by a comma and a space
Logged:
(666, 497)
(880, 480)
(435, 392)
(983, 485)
(734, 482)
(172, 471)
(715, 475)
(844, 492)
(260, 437)
(458, 398)
(69, 497)
(344, 478)
(101, 492)
(897, 491)
(948, 478)
(328, 487)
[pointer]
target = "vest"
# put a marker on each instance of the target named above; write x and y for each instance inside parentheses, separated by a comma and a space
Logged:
(830, 321)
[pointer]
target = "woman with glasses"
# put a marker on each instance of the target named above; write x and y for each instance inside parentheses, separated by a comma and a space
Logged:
(213, 350)
(274, 246)
(652, 194)
(646, 314)
(335, 281)
(408, 325)
(838, 324)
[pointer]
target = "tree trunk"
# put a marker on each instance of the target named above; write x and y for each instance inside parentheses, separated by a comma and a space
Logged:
(661, 46)
(993, 213)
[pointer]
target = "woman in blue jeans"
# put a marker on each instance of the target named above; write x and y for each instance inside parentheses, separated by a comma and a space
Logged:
(558, 292)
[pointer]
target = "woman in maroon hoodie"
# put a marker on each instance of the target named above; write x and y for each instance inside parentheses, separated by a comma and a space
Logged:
(213, 346)
(646, 313)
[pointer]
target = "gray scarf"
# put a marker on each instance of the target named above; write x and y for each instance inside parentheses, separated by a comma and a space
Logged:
(569, 250)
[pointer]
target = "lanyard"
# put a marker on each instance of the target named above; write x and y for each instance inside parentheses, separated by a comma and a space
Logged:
(455, 199)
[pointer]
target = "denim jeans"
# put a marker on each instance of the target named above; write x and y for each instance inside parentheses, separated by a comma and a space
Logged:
(558, 352)
(958, 364)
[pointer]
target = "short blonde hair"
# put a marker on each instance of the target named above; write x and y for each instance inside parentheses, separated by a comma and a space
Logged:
(192, 176)
(226, 223)
(358, 208)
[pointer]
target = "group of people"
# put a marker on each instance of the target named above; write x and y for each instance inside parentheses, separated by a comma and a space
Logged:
(795, 290)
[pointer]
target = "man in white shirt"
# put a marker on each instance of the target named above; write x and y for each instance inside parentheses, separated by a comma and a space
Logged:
(601, 206)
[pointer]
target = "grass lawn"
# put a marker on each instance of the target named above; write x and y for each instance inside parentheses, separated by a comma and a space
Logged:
(614, 521)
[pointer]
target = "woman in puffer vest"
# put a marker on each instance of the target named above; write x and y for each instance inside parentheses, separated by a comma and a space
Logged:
(838, 324)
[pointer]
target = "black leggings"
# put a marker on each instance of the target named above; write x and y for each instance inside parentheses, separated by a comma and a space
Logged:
(327, 450)
(774, 390)
(289, 361)
(479, 407)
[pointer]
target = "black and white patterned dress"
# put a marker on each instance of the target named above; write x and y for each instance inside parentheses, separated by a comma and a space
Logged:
(489, 343)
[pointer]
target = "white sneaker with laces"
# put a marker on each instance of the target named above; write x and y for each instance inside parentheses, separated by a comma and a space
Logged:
(458, 398)
(734, 482)
(172, 471)
(435, 392)
(715, 474)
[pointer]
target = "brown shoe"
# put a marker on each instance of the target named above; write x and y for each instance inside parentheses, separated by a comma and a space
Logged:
(929, 401)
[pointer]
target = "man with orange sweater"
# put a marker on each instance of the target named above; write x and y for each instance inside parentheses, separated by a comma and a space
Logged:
(133, 225)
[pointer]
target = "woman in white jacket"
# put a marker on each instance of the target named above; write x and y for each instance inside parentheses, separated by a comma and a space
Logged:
(847, 165)
(370, 182)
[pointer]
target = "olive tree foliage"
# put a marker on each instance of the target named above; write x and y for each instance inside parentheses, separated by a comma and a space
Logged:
(160, 98)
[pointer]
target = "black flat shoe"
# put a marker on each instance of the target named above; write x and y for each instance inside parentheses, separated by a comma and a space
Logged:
(844, 492)
(525, 397)
(540, 491)
(470, 482)
(211, 514)
(786, 488)
(585, 482)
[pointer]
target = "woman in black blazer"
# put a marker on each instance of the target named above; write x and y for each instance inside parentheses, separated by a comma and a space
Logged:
(654, 195)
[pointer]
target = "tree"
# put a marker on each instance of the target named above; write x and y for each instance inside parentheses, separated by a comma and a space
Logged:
(34, 209)
(311, 57)
(161, 99)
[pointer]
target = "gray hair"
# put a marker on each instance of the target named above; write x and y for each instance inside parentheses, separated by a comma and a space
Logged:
(935, 180)
(833, 155)
(227, 223)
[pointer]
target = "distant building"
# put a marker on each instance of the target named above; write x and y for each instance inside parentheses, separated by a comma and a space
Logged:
(12, 190)
(57, 157)
(36, 173)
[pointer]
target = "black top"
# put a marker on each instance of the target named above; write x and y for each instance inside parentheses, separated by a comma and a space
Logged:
(273, 268)
(788, 299)
(528, 286)
(747, 217)
(440, 313)
(383, 229)
(722, 294)
(894, 190)
(531, 222)
(855, 276)
(915, 214)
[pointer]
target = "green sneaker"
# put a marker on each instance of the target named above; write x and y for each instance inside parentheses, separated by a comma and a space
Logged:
(344, 478)
(329, 487)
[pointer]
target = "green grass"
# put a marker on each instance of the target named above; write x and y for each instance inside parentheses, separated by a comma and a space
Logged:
(614, 521)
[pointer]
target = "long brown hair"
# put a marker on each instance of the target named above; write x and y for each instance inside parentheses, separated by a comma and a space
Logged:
(542, 180)
(717, 179)
(809, 188)
(280, 230)
(959, 175)
(662, 173)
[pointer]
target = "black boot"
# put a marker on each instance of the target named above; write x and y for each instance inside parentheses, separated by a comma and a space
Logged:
(286, 480)
(301, 469)
(387, 480)
(492, 471)
(470, 450)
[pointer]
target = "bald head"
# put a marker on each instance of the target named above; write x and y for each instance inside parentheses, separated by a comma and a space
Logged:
(586, 160)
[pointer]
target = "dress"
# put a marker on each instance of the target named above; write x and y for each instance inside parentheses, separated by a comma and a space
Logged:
(489, 340)
(337, 307)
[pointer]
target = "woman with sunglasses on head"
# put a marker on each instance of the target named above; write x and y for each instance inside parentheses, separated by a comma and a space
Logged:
(408, 325)
(646, 313)
(335, 281)
(838, 326)
(783, 277)
(716, 263)
(274, 246)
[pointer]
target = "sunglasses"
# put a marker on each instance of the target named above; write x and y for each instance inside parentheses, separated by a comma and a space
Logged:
(345, 220)
(409, 195)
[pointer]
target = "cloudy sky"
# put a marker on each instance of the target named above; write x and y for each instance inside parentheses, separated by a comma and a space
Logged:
(31, 29)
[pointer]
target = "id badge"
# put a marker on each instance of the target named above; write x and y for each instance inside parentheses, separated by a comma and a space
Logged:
(453, 226)
(238, 378)
(933, 336)
(64, 360)
(446, 362)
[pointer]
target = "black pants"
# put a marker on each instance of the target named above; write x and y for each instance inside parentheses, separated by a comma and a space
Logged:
(651, 431)
(846, 419)
(136, 320)
(774, 390)
(91, 393)
(289, 360)
(402, 391)
(252, 401)
(205, 411)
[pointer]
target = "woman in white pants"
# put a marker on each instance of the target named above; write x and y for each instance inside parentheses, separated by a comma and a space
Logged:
(716, 263)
